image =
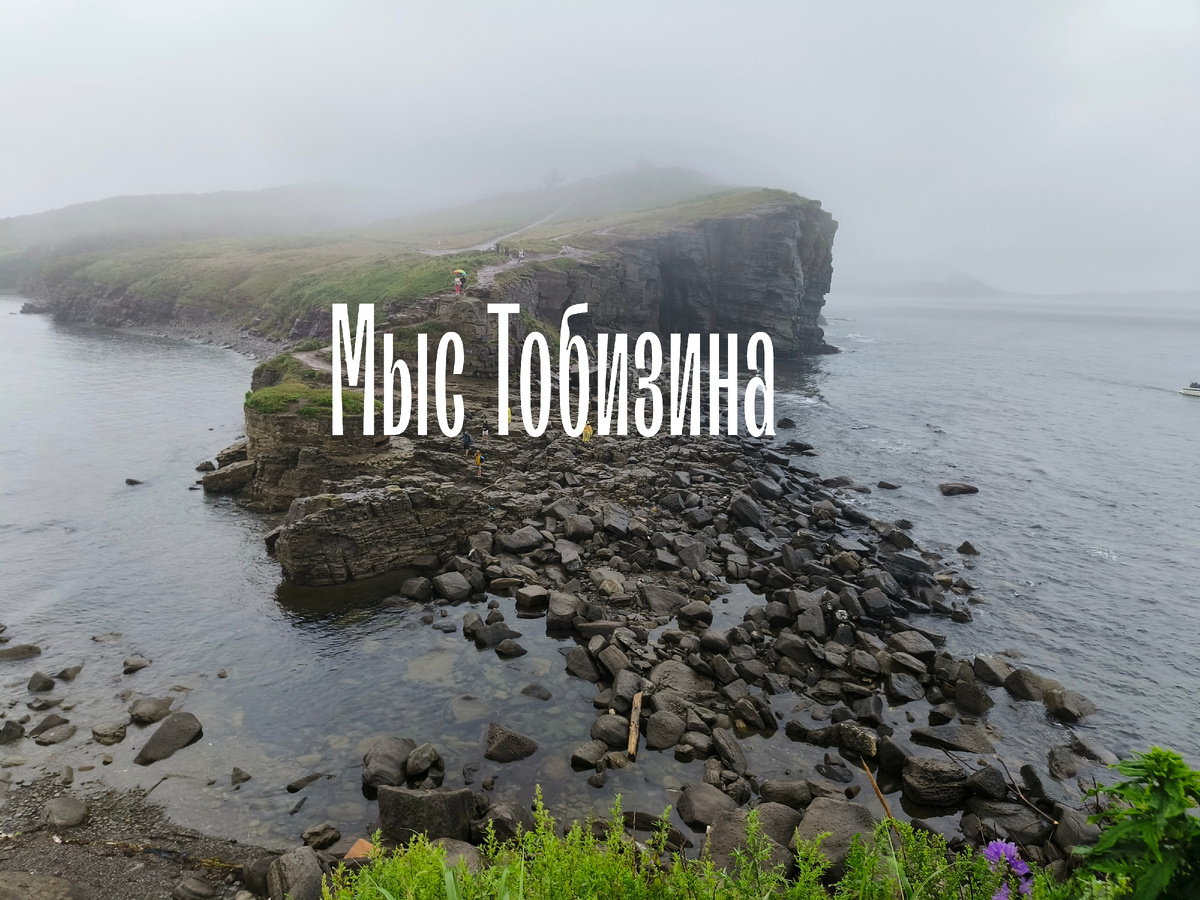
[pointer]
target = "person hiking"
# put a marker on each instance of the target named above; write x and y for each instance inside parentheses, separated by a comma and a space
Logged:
(479, 458)
(587, 433)
(520, 256)
(466, 442)
(487, 429)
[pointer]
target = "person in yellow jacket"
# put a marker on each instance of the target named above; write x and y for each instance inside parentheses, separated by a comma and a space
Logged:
(587, 432)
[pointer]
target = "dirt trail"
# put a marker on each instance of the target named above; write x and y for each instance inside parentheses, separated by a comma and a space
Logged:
(490, 241)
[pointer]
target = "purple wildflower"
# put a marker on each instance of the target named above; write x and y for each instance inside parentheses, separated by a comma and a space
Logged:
(1002, 851)
(1005, 858)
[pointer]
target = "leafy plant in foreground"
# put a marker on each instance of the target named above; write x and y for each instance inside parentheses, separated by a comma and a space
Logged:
(1149, 836)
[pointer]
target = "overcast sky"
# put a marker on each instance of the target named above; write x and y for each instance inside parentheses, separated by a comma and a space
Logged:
(1043, 146)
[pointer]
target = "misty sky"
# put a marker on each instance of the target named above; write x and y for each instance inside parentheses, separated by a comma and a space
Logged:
(1039, 146)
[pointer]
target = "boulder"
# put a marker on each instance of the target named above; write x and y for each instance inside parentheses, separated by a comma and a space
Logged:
(914, 644)
(580, 664)
(384, 762)
(562, 610)
(11, 732)
(675, 675)
(612, 729)
(424, 760)
(460, 852)
(109, 733)
(615, 519)
(701, 804)
(520, 541)
(55, 735)
(957, 488)
(1074, 830)
(991, 670)
(320, 837)
(964, 738)
(696, 614)
(419, 588)
(972, 698)
(403, 814)
(988, 781)
(779, 822)
(661, 601)
(40, 682)
(64, 812)
(295, 875)
(793, 793)
(728, 836)
(148, 710)
(1067, 706)
(194, 888)
(588, 755)
(135, 664)
(664, 729)
(230, 478)
(842, 820)
(1025, 684)
(729, 749)
(903, 688)
(508, 820)
(578, 528)
(505, 745)
(745, 510)
(18, 652)
(934, 782)
(24, 886)
(533, 597)
(177, 731)
(453, 586)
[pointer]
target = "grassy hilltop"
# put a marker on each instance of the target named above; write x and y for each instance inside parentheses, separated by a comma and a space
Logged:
(266, 258)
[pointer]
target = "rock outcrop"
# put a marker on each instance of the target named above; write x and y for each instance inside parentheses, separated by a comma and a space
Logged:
(767, 270)
(335, 538)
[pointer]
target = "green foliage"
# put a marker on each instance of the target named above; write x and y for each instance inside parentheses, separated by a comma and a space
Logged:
(601, 863)
(1149, 836)
(292, 396)
(310, 344)
(286, 367)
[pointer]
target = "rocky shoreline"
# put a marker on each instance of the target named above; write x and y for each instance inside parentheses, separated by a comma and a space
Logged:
(253, 345)
(628, 547)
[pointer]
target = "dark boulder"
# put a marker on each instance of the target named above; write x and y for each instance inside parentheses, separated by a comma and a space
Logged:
(842, 820)
(403, 814)
(505, 745)
(177, 731)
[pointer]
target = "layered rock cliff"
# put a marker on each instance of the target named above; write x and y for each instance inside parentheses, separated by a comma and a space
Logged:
(766, 270)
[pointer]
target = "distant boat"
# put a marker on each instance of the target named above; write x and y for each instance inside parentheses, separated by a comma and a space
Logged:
(1193, 390)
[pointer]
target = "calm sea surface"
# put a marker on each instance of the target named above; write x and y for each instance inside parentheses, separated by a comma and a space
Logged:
(1065, 414)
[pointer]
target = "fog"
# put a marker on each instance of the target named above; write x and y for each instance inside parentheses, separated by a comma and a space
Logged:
(1046, 147)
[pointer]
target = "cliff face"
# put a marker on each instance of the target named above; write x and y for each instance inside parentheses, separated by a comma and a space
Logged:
(764, 271)
(767, 269)
(295, 455)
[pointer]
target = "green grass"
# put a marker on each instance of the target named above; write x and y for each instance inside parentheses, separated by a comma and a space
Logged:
(264, 283)
(132, 249)
(899, 863)
(303, 400)
(286, 367)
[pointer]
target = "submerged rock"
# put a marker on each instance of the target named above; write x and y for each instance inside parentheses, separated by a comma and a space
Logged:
(177, 731)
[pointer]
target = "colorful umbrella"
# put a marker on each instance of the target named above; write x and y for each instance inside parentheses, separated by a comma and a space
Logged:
(460, 272)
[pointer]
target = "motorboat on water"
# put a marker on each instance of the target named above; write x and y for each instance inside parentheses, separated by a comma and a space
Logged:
(1192, 390)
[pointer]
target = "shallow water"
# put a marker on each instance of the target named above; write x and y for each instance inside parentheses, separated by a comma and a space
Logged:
(1066, 414)
(1066, 421)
